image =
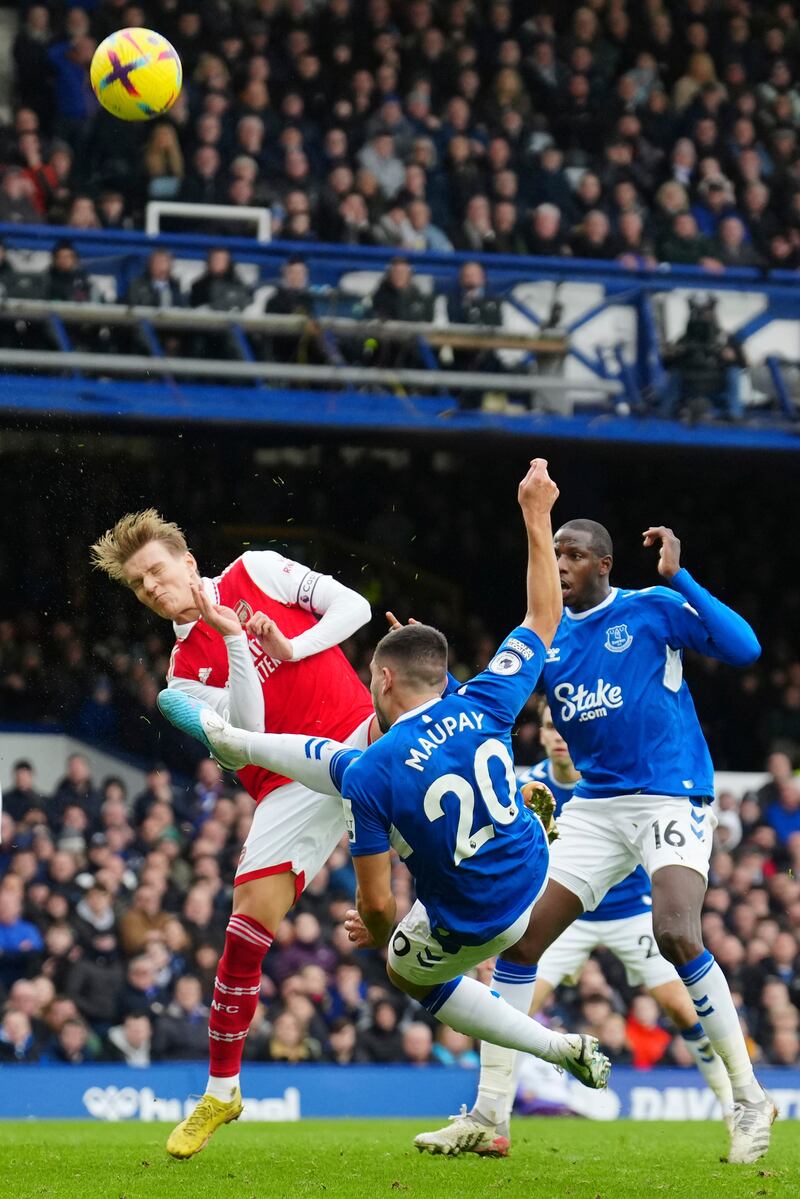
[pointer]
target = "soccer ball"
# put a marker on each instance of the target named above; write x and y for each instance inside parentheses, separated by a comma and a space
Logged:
(136, 74)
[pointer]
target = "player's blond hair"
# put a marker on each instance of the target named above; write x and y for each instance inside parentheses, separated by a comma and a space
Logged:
(119, 543)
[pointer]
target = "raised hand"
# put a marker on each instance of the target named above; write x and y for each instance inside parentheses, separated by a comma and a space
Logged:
(269, 637)
(216, 616)
(394, 623)
(537, 492)
(669, 557)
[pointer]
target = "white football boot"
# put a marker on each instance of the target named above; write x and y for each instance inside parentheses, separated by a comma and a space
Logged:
(752, 1128)
(464, 1133)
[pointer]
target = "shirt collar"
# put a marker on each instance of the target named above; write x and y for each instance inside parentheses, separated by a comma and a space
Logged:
(182, 631)
(416, 711)
(612, 595)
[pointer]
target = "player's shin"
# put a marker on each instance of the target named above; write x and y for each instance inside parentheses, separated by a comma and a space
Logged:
(236, 990)
(716, 1012)
(313, 761)
(470, 1007)
(515, 984)
(710, 1065)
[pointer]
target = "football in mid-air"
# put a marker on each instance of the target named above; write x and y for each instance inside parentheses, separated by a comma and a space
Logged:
(136, 74)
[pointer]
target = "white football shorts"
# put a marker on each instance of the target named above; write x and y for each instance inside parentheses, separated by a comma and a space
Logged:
(295, 829)
(601, 841)
(416, 955)
(631, 941)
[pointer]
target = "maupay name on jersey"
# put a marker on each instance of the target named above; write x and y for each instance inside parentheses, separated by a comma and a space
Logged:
(439, 732)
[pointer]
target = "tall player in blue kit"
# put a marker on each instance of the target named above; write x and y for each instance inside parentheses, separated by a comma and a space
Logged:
(615, 687)
(439, 787)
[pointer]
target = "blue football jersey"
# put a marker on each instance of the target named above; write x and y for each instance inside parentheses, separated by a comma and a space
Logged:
(440, 788)
(631, 897)
(615, 686)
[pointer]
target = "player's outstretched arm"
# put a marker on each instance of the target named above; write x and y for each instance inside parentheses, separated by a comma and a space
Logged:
(537, 494)
(707, 626)
(341, 610)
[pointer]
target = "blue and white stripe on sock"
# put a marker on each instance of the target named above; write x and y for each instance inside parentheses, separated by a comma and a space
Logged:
(692, 973)
(711, 996)
(439, 995)
(513, 974)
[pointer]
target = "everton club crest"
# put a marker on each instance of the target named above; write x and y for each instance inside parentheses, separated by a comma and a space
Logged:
(618, 638)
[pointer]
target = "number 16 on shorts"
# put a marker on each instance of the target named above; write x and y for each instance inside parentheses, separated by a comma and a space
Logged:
(681, 835)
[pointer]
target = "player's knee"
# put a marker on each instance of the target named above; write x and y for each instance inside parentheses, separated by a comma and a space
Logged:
(678, 943)
(526, 952)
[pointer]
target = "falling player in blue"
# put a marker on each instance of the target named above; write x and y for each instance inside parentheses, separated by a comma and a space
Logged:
(615, 687)
(439, 787)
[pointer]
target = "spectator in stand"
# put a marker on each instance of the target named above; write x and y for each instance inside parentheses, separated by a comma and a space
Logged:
(422, 234)
(130, 1041)
(397, 297)
(77, 786)
(220, 286)
(163, 162)
(144, 917)
(204, 183)
(731, 247)
(686, 245)
(476, 233)
(289, 1041)
(648, 1040)
(17, 1042)
(181, 1032)
(592, 239)
(382, 1040)
(157, 287)
(716, 200)
(418, 1044)
(22, 798)
(543, 237)
(379, 158)
(783, 812)
(17, 206)
(21, 942)
(74, 1044)
(454, 1049)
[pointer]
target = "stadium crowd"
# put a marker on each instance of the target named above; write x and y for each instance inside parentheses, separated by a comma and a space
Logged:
(605, 130)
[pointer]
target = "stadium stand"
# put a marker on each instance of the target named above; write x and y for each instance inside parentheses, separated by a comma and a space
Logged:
(625, 140)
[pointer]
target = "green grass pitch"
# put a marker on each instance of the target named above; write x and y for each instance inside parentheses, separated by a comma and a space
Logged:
(552, 1159)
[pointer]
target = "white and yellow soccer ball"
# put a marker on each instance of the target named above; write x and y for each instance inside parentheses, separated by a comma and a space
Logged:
(136, 74)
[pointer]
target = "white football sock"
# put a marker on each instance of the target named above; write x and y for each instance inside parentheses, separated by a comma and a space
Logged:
(222, 1088)
(715, 1009)
(307, 760)
(515, 984)
(710, 1065)
(470, 1007)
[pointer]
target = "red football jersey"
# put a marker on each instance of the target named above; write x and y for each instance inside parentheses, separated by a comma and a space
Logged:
(321, 695)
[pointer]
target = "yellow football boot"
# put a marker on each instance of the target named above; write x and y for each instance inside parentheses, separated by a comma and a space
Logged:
(194, 1133)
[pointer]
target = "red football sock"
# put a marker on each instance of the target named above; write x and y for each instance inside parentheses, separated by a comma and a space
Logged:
(236, 989)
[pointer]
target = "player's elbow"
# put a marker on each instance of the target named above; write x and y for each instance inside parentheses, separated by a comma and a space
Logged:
(543, 626)
(748, 651)
(362, 612)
